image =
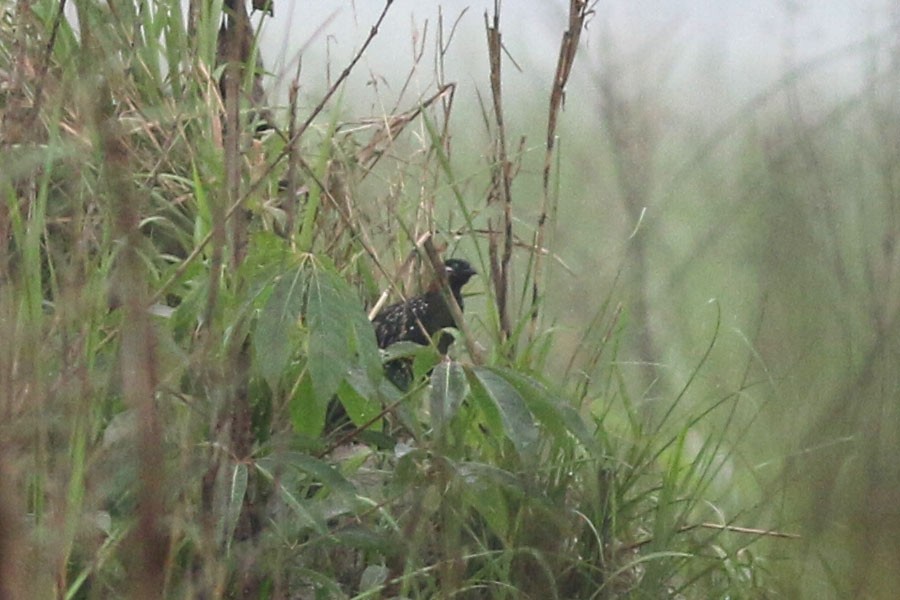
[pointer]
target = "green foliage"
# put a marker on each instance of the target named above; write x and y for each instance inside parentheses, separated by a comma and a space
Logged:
(272, 340)
(339, 334)
(487, 476)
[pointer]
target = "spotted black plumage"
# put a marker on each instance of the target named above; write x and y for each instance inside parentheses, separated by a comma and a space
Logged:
(419, 318)
(416, 320)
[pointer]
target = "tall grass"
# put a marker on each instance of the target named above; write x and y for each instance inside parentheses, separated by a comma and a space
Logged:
(182, 296)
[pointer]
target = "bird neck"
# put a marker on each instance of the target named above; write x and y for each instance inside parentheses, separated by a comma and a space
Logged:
(456, 290)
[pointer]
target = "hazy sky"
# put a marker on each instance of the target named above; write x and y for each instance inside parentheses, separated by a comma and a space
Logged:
(748, 41)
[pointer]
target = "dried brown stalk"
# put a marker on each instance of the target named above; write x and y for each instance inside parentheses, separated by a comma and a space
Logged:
(392, 126)
(579, 11)
(499, 245)
(149, 539)
(755, 531)
(440, 272)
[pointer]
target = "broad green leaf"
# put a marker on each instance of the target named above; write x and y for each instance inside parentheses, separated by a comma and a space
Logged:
(405, 350)
(316, 468)
(329, 356)
(339, 334)
(235, 501)
(517, 421)
(425, 360)
(359, 397)
(299, 506)
(273, 344)
(302, 513)
(267, 257)
(553, 412)
(373, 577)
(448, 389)
(307, 410)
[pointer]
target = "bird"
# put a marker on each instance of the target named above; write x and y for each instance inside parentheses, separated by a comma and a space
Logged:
(414, 320)
(418, 319)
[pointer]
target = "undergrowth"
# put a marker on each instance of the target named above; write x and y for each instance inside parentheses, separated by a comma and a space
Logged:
(183, 291)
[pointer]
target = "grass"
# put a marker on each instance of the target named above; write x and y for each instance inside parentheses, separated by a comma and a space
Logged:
(182, 295)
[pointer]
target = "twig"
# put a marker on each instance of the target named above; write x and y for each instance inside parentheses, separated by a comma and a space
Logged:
(441, 273)
(139, 365)
(354, 433)
(721, 527)
(579, 10)
(45, 63)
(392, 126)
(500, 181)
(382, 299)
(291, 192)
(344, 74)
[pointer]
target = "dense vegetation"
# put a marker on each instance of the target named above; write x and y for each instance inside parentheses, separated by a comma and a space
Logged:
(185, 276)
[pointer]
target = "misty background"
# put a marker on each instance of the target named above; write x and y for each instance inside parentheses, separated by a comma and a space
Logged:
(729, 176)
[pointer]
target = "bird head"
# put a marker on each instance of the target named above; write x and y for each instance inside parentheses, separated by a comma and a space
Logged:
(459, 272)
